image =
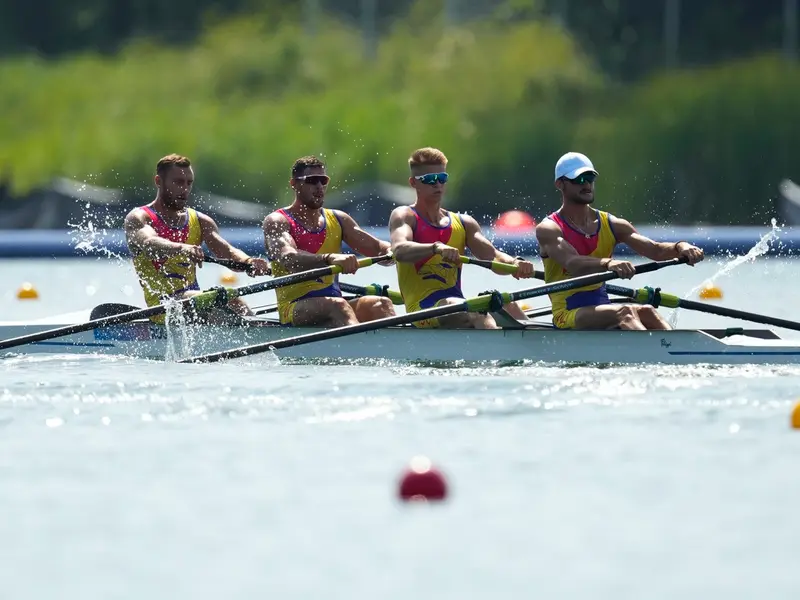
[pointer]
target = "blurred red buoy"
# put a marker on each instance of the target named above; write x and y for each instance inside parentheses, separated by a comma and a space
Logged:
(421, 482)
(515, 220)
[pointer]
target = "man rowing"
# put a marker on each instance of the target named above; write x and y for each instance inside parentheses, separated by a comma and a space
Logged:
(165, 240)
(578, 239)
(427, 241)
(307, 236)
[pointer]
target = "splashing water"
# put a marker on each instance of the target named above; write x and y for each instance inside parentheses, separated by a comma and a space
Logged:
(761, 248)
(90, 234)
(179, 336)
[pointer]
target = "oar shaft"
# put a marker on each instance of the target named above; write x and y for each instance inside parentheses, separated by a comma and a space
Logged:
(328, 334)
(199, 302)
(591, 279)
(481, 303)
(672, 301)
(372, 289)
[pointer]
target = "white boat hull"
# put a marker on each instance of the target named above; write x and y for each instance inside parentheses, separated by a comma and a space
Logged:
(146, 340)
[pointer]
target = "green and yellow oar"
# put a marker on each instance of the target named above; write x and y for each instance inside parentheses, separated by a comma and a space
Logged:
(373, 289)
(204, 301)
(651, 296)
(658, 298)
(483, 303)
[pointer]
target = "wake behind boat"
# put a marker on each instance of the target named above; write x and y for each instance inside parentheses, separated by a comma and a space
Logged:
(532, 341)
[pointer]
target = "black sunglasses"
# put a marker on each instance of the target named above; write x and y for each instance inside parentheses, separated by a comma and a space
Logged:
(314, 179)
(582, 178)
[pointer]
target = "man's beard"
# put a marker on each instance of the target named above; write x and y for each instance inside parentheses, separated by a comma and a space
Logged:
(171, 201)
(312, 203)
(578, 199)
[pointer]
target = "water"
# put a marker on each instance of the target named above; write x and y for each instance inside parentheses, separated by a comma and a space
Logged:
(136, 479)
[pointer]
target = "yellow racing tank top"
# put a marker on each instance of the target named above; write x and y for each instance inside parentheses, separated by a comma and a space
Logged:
(168, 277)
(429, 280)
(327, 239)
(599, 244)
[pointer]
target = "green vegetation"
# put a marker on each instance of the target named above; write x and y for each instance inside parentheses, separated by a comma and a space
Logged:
(503, 100)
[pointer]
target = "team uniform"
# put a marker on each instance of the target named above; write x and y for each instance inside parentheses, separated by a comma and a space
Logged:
(168, 277)
(327, 240)
(426, 282)
(599, 245)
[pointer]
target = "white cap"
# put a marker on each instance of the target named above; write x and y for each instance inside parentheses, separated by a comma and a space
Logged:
(573, 164)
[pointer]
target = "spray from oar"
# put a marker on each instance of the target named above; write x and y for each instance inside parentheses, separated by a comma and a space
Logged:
(761, 248)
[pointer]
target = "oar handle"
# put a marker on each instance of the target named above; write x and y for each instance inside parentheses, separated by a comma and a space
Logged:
(233, 265)
(373, 289)
(493, 265)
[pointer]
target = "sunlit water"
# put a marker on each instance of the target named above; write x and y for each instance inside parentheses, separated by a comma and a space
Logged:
(135, 479)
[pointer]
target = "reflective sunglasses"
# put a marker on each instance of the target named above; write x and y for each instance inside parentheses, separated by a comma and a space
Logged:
(432, 178)
(583, 178)
(314, 179)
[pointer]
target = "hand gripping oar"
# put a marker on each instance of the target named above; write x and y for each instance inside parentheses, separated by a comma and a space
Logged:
(483, 303)
(216, 296)
(233, 265)
(658, 298)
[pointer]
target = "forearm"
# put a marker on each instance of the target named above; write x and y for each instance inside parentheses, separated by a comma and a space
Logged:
(238, 255)
(412, 251)
(158, 247)
(302, 261)
(584, 265)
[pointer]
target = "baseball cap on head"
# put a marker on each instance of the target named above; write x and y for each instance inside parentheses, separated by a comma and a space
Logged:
(573, 164)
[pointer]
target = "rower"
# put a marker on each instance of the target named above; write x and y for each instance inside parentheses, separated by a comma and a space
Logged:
(427, 241)
(578, 240)
(307, 236)
(165, 236)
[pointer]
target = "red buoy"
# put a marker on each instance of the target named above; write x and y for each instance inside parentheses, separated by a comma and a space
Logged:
(515, 220)
(421, 482)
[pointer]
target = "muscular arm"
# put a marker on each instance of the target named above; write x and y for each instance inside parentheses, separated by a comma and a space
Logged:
(642, 245)
(282, 249)
(554, 246)
(141, 237)
(216, 243)
(401, 232)
(480, 246)
(358, 239)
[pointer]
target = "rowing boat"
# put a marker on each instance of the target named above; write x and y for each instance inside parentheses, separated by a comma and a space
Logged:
(534, 341)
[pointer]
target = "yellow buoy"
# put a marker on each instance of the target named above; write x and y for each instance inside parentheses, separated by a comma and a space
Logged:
(27, 292)
(710, 292)
(525, 306)
(796, 416)
(228, 277)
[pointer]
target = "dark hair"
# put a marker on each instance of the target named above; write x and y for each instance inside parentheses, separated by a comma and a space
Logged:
(171, 160)
(306, 162)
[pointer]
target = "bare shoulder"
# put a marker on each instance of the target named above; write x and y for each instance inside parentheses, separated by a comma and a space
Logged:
(137, 217)
(275, 222)
(402, 215)
(205, 220)
(620, 226)
(547, 227)
(469, 221)
(343, 217)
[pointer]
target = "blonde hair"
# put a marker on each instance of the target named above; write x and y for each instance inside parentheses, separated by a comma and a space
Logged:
(427, 156)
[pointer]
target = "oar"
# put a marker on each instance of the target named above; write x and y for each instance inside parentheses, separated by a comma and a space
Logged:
(233, 265)
(483, 303)
(372, 289)
(200, 302)
(493, 265)
(657, 298)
